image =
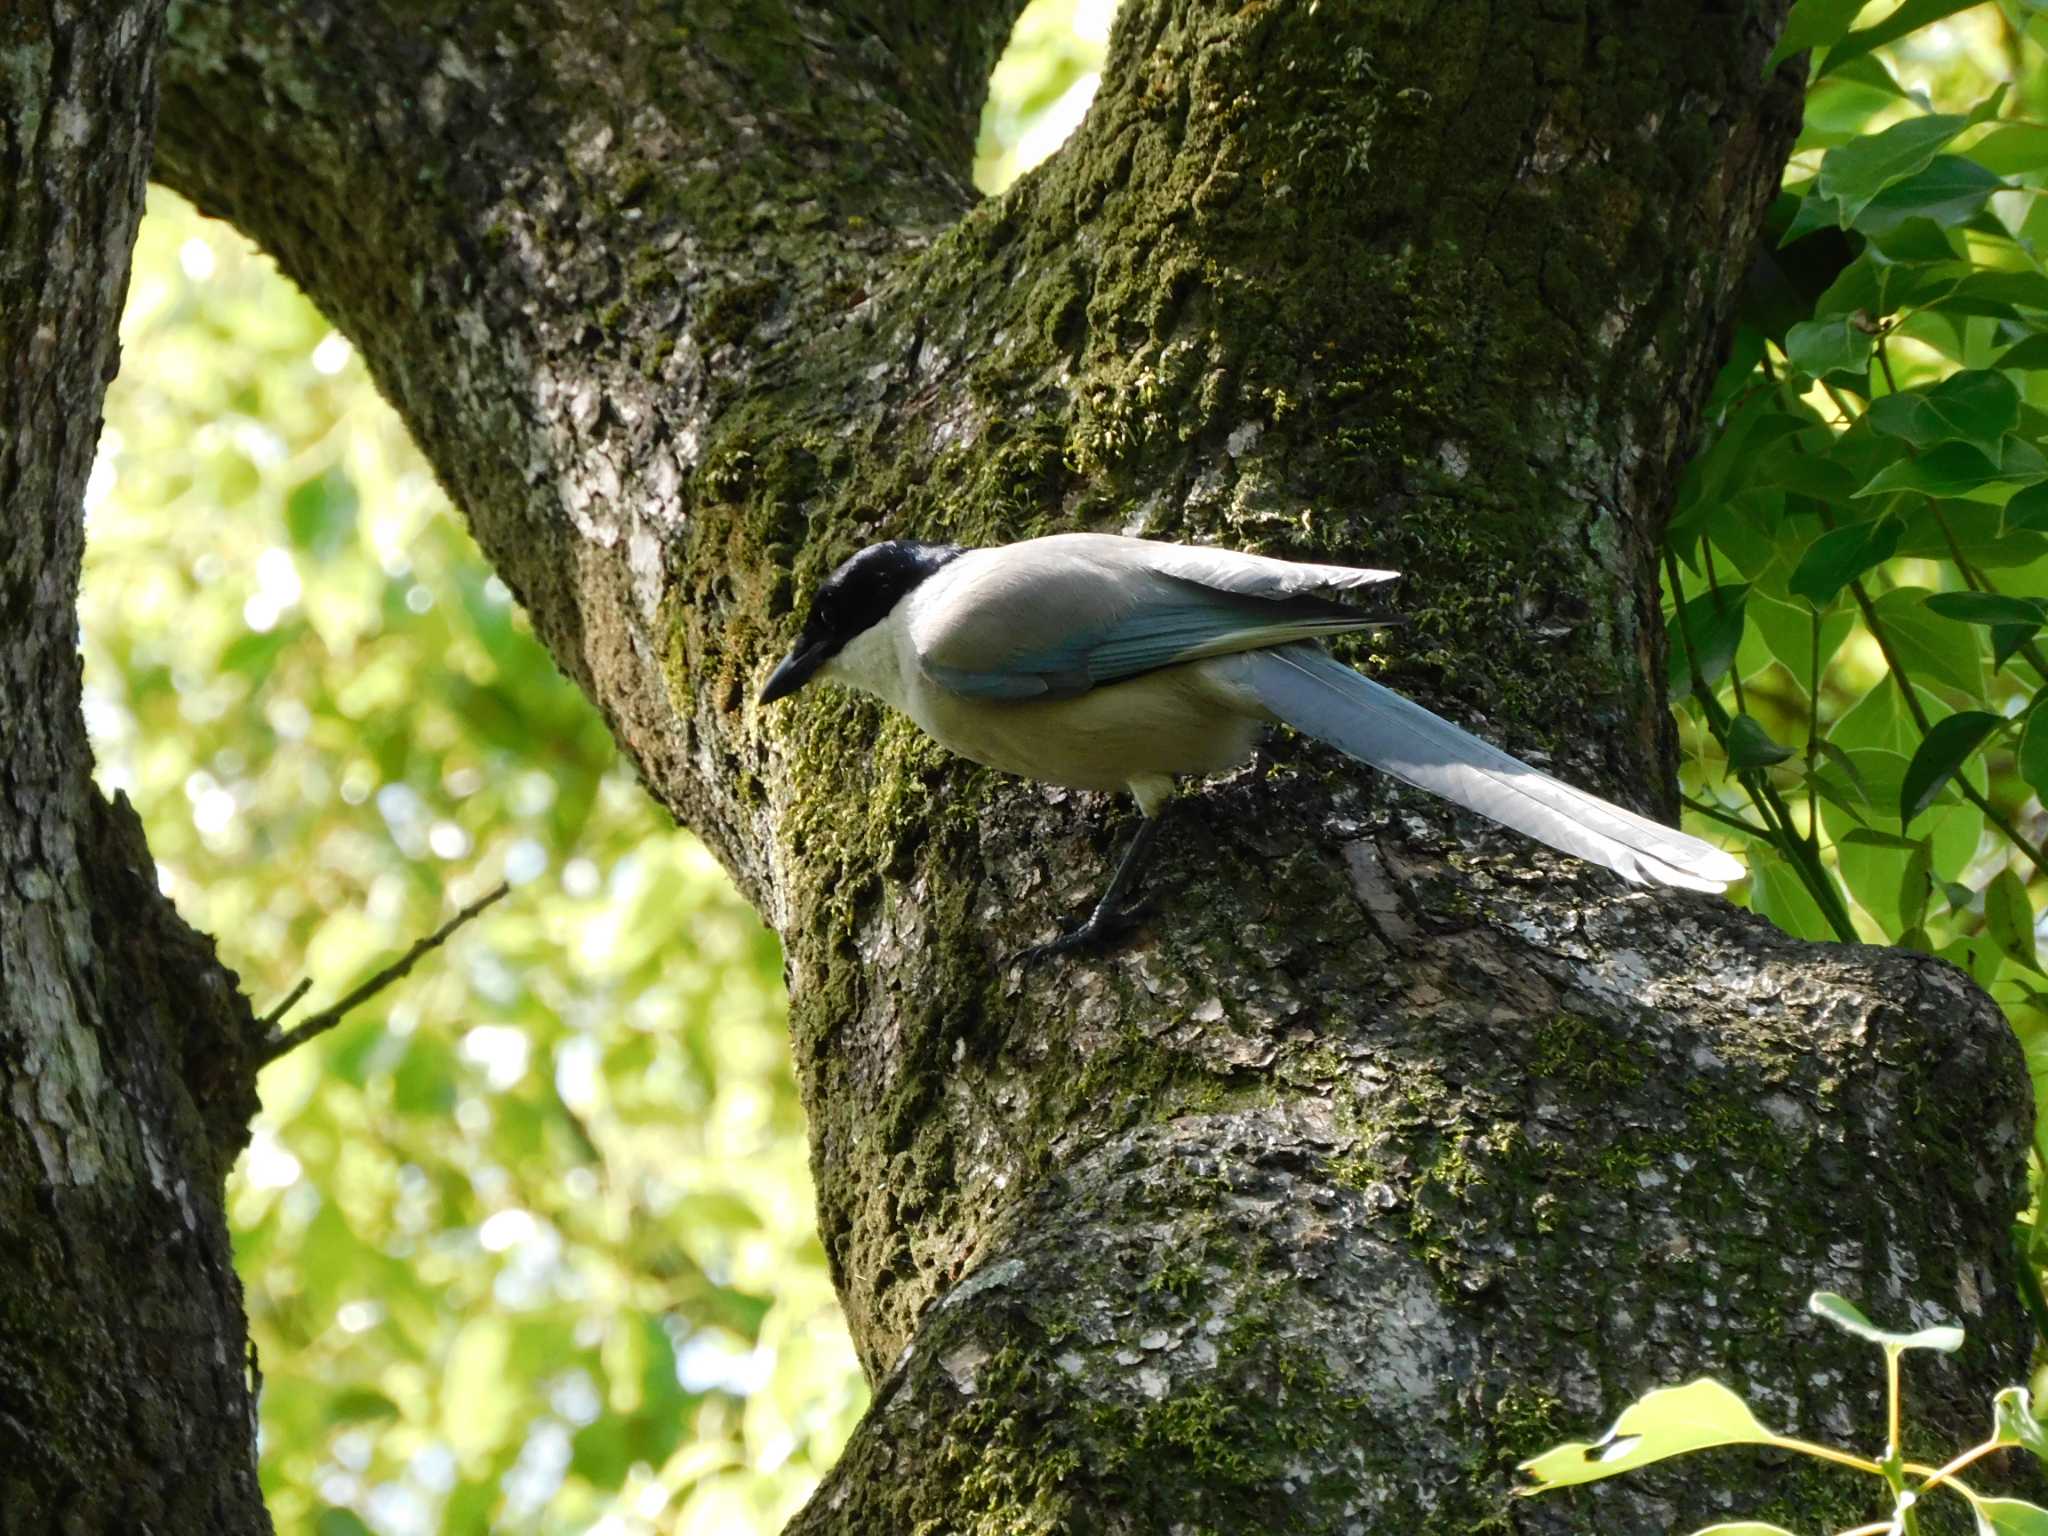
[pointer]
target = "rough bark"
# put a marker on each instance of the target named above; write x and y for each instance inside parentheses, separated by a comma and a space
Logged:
(1393, 1149)
(125, 1394)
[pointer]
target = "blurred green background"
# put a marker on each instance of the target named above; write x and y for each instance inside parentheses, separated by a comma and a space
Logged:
(528, 1241)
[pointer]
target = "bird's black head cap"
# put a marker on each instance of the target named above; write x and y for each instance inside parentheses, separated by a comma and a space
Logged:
(853, 599)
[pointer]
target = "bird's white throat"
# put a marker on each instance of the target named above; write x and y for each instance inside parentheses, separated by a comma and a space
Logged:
(872, 661)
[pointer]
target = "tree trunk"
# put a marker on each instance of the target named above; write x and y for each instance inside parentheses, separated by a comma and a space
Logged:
(126, 1402)
(1394, 1148)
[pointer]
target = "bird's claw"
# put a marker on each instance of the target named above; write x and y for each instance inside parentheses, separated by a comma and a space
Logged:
(1099, 928)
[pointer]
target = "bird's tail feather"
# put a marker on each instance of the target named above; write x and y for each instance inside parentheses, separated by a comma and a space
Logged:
(1307, 688)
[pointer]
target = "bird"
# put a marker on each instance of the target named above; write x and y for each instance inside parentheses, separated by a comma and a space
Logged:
(1103, 662)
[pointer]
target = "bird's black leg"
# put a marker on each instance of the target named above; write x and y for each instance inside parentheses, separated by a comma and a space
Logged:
(1110, 917)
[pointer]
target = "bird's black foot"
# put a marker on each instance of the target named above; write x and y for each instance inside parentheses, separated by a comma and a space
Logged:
(1101, 929)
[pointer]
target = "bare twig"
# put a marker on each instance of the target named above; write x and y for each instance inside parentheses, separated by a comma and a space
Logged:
(269, 1020)
(327, 1018)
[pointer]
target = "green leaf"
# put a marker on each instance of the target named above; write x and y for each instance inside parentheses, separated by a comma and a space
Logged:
(2034, 750)
(1872, 837)
(1813, 24)
(1857, 171)
(1987, 608)
(1950, 192)
(355, 1405)
(320, 514)
(1711, 633)
(1750, 746)
(2006, 641)
(1978, 406)
(1851, 774)
(2009, 918)
(2026, 290)
(1910, 17)
(1916, 885)
(2012, 149)
(1848, 1317)
(1786, 629)
(2028, 509)
(1950, 470)
(1667, 1422)
(1947, 747)
(339, 1522)
(1841, 555)
(477, 1412)
(1778, 891)
(2031, 352)
(2010, 1517)
(1821, 348)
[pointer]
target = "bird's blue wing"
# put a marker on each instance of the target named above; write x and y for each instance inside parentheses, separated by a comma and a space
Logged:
(1175, 621)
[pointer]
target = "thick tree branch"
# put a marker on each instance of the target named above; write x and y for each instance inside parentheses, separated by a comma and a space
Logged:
(1394, 1149)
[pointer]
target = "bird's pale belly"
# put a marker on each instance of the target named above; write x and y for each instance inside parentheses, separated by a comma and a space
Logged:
(1165, 724)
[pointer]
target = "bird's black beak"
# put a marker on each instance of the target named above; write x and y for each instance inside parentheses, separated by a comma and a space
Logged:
(797, 668)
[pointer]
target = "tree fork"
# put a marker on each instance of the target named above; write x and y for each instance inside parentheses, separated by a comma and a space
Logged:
(1393, 1149)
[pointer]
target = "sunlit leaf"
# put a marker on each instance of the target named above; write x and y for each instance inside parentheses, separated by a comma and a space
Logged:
(1777, 891)
(1848, 1317)
(1909, 17)
(1949, 470)
(1813, 24)
(1856, 172)
(1825, 348)
(1949, 193)
(1932, 649)
(2012, 148)
(1875, 837)
(1978, 406)
(2009, 918)
(1667, 1422)
(2010, 1517)
(1916, 887)
(2033, 762)
(320, 514)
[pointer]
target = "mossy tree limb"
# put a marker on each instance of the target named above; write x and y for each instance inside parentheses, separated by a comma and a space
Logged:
(1394, 1148)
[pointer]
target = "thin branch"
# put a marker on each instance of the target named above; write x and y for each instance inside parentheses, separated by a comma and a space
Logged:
(327, 1018)
(1720, 604)
(1726, 818)
(1977, 581)
(1813, 737)
(269, 1020)
(1763, 796)
(1900, 676)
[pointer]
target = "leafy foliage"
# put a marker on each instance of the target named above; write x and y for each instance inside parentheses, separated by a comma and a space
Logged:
(1672, 1421)
(1857, 567)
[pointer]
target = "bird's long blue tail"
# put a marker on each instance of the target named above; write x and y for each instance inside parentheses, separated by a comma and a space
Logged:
(1307, 688)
